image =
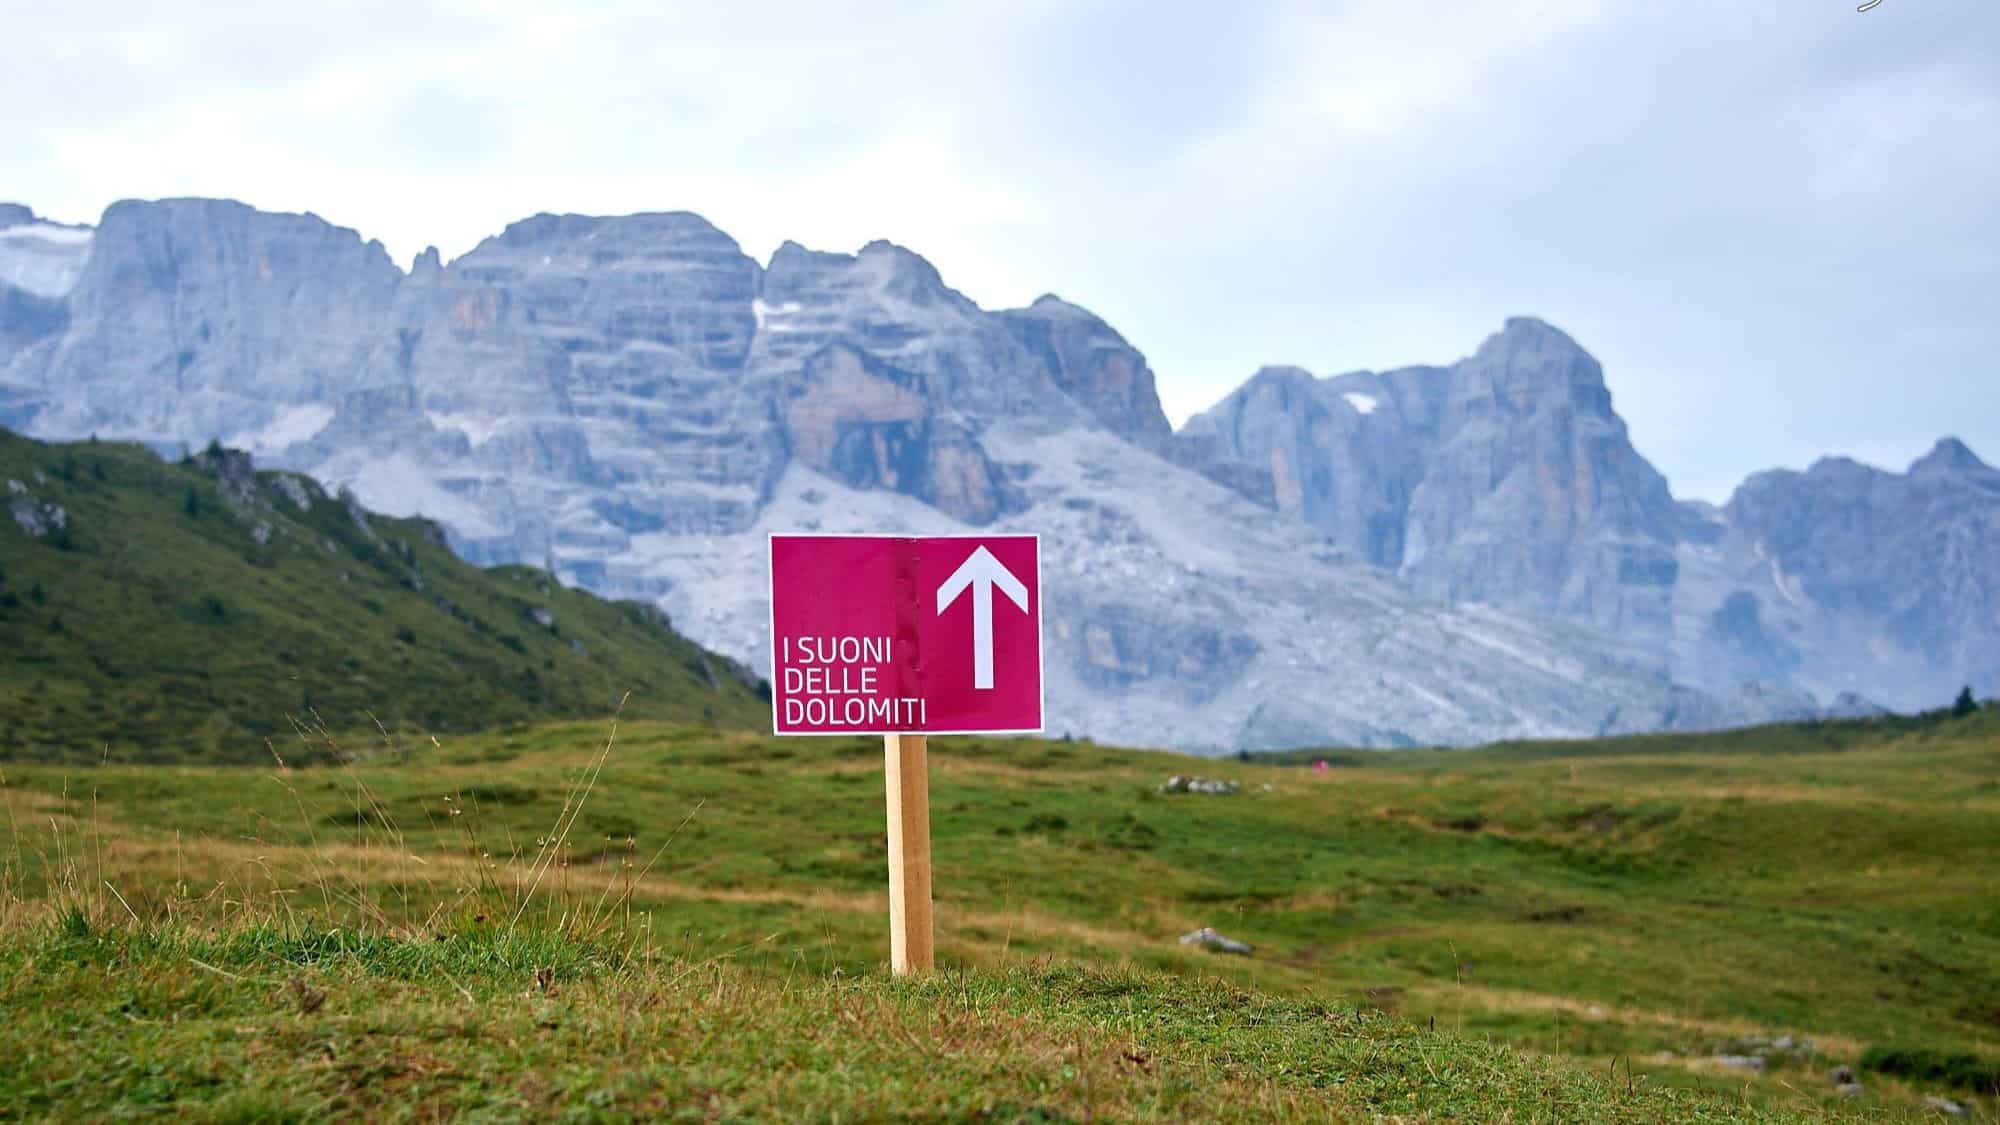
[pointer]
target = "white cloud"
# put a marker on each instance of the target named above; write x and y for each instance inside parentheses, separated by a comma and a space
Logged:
(1747, 214)
(1359, 74)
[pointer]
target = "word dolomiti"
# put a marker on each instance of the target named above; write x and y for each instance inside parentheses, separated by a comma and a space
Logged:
(837, 682)
(855, 711)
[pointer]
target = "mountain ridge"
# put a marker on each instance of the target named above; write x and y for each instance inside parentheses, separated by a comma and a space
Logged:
(612, 396)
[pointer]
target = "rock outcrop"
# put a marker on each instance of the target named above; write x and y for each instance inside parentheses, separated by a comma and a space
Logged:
(194, 319)
(1870, 582)
(39, 263)
(1505, 479)
(1094, 365)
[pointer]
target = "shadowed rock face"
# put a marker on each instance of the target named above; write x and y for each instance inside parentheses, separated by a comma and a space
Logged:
(38, 259)
(1533, 495)
(1737, 638)
(1094, 365)
(579, 352)
(870, 425)
(1343, 454)
(37, 266)
(1505, 479)
(191, 315)
(1912, 559)
(27, 319)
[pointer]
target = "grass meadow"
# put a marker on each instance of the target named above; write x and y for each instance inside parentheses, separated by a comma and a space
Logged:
(646, 920)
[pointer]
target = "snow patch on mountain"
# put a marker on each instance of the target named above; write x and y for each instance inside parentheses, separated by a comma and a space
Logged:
(43, 258)
(477, 428)
(399, 486)
(775, 318)
(288, 427)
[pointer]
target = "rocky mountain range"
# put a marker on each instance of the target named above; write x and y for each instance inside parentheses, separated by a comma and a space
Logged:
(1425, 555)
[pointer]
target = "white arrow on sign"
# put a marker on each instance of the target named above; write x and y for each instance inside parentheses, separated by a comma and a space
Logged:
(982, 572)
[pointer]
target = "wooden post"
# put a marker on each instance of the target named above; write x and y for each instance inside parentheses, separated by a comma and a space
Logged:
(909, 853)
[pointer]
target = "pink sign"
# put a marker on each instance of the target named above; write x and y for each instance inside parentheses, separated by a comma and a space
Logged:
(881, 634)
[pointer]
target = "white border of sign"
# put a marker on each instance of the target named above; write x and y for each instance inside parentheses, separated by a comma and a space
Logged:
(771, 631)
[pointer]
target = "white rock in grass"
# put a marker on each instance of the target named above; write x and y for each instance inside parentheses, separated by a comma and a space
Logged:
(1208, 937)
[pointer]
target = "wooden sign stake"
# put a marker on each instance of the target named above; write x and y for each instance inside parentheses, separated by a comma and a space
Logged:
(909, 853)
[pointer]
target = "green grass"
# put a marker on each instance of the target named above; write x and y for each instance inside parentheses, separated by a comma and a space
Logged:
(175, 617)
(1571, 931)
(263, 1024)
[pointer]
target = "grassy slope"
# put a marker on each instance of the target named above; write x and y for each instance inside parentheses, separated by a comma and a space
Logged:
(1633, 905)
(265, 1026)
(156, 625)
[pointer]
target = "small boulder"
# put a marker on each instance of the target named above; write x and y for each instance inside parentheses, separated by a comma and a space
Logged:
(298, 491)
(1841, 1075)
(233, 471)
(1943, 1105)
(1741, 1062)
(38, 517)
(1206, 785)
(1848, 1089)
(1208, 937)
(358, 514)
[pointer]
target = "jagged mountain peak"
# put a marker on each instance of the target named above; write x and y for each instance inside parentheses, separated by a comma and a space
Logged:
(1524, 325)
(1293, 389)
(190, 319)
(183, 205)
(227, 229)
(902, 272)
(1289, 388)
(1531, 333)
(878, 269)
(1285, 373)
(642, 231)
(1094, 365)
(1949, 455)
(794, 253)
(1506, 478)
(1530, 356)
(1836, 467)
(1905, 560)
(1050, 305)
(1527, 361)
(428, 265)
(185, 209)
(875, 246)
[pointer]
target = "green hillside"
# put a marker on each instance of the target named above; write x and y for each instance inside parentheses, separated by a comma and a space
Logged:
(161, 612)
(666, 920)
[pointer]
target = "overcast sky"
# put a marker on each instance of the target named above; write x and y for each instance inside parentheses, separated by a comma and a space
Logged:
(1777, 224)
